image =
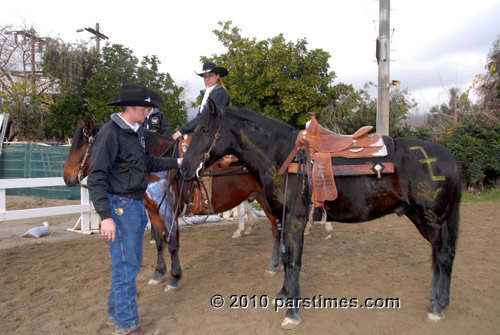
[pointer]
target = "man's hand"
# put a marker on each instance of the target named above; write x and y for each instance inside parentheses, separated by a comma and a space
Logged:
(108, 229)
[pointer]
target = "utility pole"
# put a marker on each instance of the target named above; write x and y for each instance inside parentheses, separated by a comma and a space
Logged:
(382, 53)
(98, 36)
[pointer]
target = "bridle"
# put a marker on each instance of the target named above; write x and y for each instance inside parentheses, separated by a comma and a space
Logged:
(206, 155)
(90, 140)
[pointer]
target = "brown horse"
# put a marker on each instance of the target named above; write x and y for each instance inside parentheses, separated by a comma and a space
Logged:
(228, 190)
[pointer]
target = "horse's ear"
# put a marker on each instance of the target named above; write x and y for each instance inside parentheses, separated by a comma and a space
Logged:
(89, 125)
(212, 106)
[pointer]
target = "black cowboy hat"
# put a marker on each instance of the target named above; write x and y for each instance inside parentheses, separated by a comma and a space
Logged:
(210, 67)
(135, 94)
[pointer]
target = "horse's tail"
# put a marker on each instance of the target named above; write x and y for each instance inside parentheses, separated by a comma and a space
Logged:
(454, 220)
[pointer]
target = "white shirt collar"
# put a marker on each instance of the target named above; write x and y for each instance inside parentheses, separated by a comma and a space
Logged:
(205, 96)
(134, 127)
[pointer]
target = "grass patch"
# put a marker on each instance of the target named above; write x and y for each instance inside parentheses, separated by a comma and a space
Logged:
(489, 196)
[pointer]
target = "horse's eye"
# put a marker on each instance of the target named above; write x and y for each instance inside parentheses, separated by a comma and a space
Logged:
(204, 130)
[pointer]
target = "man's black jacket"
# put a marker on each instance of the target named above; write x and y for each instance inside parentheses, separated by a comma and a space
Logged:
(119, 164)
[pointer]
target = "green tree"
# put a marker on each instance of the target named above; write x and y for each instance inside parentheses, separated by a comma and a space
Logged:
(489, 90)
(174, 108)
(443, 118)
(119, 66)
(350, 109)
(274, 77)
(475, 144)
(69, 67)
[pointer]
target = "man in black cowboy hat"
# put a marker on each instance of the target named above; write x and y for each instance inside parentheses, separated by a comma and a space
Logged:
(117, 182)
(214, 90)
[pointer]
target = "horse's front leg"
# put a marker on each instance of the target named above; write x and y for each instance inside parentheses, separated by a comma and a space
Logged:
(289, 295)
(173, 249)
(276, 262)
(161, 267)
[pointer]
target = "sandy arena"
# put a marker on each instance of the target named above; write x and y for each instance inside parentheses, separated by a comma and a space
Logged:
(58, 284)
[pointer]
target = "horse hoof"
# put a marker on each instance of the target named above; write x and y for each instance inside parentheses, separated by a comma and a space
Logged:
(170, 288)
(248, 232)
(329, 236)
(271, 272)
(236, 235)
(435, 317)
(154, 282)
(435, 313)
(289, 323)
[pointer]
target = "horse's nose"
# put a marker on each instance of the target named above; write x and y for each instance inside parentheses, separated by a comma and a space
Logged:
(185, 173)
(68, 182)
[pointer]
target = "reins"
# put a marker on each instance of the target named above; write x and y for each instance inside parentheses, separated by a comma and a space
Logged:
(169, 147)
(167, 192)
(302, 161)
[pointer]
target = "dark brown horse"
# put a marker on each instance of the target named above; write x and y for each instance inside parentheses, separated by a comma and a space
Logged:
(425, 186)
(228, 190)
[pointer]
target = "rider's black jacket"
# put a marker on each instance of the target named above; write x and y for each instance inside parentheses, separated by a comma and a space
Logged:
(219, 97)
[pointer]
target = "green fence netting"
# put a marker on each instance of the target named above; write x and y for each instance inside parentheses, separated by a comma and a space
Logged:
(31, 160)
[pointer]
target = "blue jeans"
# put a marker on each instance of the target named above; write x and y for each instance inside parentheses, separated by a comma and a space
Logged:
(126, 258)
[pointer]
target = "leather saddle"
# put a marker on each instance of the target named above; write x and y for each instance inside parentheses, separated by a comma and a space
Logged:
(321, 145)
(359, 144)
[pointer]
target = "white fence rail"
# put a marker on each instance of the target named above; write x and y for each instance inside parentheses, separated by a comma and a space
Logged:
(88, 222)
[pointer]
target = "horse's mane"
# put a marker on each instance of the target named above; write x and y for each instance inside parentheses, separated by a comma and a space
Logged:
(248, 115)
(154, 135)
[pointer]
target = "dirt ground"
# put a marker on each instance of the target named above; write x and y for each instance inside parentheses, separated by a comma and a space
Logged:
(58, 284)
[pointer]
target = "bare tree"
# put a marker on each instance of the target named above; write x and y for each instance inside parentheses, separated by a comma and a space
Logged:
(23, 91)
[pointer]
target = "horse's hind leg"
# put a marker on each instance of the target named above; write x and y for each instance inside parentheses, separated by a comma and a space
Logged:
(443, 239)
(247, 208)
(443, 242)
(241, 225)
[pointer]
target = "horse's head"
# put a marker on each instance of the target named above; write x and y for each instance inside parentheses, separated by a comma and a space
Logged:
(77, 164)
(159, 145)
(207, 143)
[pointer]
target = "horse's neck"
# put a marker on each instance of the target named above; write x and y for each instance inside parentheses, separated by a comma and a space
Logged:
(157, 144)
(262, 146)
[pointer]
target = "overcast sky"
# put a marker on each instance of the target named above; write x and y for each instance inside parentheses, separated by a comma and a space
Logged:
(436, 44)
